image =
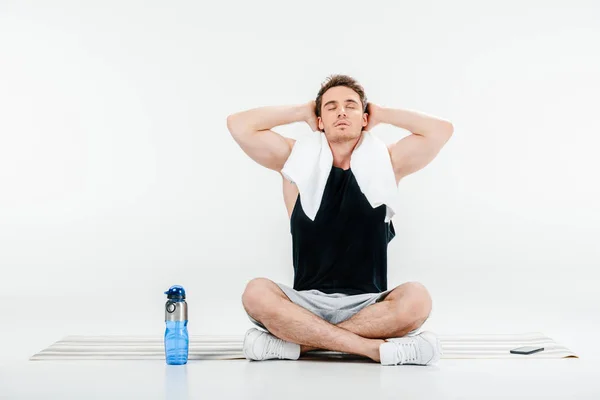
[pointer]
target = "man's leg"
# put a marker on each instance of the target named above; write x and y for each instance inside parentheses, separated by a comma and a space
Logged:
(404, 309)
(264, 301)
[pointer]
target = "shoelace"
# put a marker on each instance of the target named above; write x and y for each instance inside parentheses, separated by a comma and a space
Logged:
(408, 351)
(274, 347)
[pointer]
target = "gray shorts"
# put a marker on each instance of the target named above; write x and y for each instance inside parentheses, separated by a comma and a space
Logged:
(333, 308)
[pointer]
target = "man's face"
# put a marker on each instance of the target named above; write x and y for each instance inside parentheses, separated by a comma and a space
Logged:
(342, 116)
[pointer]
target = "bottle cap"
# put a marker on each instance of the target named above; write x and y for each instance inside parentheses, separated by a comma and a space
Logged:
(175, 292)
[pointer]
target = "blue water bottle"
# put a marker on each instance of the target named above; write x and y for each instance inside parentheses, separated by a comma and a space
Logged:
(176, 334)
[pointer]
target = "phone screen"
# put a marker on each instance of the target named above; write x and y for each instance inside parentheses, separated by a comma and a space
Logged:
(527, 349)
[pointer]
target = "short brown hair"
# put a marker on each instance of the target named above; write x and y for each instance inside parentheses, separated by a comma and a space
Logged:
(340, 80)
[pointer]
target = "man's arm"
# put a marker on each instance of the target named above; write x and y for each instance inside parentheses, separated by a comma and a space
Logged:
(251, 130)
(413, 152)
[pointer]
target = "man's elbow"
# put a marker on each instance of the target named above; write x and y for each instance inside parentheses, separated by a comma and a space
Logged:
(232, 123)
(447, 128)
(442, 130)
(236, 125)
(445, 131)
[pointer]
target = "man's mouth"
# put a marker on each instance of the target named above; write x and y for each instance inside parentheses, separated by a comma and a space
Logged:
(342, 123)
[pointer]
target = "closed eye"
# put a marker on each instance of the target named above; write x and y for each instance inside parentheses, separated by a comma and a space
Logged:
(351, 105)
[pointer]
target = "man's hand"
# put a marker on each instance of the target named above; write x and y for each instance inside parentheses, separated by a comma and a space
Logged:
(373, 119)
(311, 115)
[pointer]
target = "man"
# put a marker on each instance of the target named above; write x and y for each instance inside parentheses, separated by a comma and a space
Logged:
(340, 300)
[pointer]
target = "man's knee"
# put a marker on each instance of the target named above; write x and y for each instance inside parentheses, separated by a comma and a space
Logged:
(420, 300)
(258, 296)
(414, 304)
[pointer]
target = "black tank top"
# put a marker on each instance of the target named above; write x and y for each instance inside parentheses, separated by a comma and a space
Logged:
(344, 250)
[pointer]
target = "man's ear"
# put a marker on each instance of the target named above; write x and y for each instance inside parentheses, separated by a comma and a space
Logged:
(365, 119)
(320, 122)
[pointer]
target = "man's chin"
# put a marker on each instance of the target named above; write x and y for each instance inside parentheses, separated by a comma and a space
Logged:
(341, 137)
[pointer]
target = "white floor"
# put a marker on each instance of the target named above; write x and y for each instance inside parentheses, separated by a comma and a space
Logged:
(451, 379)
(24, 333)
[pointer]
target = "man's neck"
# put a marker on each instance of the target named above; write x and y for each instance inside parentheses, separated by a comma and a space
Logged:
(342, 152)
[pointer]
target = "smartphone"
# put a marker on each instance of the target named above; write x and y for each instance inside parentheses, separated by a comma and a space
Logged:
(526, 350)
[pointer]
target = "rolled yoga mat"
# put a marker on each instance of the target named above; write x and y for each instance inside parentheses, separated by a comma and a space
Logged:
(463, 346)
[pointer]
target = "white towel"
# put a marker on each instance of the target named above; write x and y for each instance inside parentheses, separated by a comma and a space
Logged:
(311, 160)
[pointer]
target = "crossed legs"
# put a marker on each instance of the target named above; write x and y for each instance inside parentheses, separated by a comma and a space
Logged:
(404, 309)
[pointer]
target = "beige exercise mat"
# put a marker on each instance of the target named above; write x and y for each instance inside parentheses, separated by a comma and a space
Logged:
(230, 347)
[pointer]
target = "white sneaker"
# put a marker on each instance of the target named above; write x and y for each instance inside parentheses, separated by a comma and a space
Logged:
(421, 349)
(260, 345)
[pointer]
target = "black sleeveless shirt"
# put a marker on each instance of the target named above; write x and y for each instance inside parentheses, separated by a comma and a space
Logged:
(344, 250)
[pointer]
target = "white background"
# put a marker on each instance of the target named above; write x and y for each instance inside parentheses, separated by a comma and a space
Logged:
(118, 177)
